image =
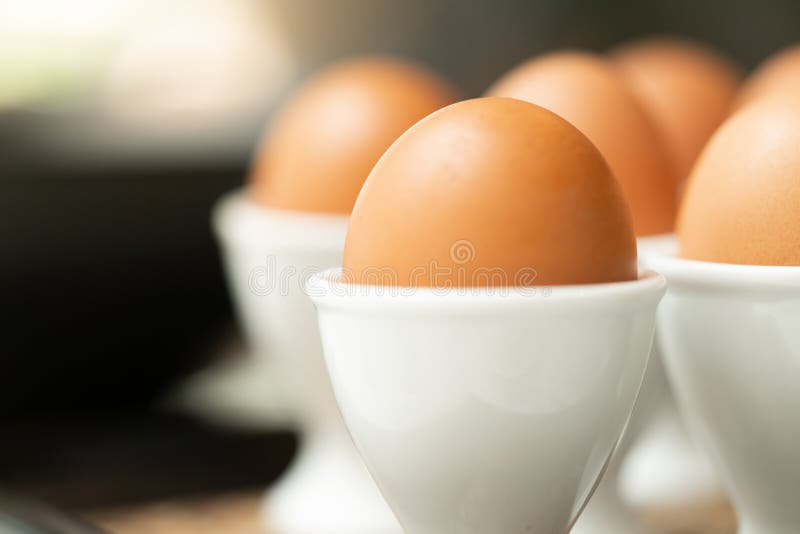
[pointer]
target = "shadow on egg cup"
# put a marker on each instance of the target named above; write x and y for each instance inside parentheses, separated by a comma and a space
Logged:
(608, 511)
(656, 465)
(268, 255)
(494, 410)
(730, 339)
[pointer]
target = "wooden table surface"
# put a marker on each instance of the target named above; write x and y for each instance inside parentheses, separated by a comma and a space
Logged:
(240, 514)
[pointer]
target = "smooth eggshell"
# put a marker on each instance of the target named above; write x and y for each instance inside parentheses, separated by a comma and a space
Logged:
(590, 93)
(778, 75)
(742, 202)
(491, 187)
(687, 88)
(323, 143)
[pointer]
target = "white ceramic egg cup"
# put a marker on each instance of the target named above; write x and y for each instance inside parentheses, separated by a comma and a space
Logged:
(268, 256)
(608, 512)
(655, 465)
(663, 468)
(730, 338)
(492, 410)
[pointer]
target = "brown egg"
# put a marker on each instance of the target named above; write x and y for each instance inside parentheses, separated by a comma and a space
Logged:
(742, 202)
(591, 93)
(323, 143)
(778, 75)
(688, 89)
(490, 192)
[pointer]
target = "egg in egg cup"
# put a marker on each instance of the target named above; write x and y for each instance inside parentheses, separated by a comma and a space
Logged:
(488, 331)
(728, 327)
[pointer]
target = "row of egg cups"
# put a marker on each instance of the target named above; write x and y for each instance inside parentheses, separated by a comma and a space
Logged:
(498, 410)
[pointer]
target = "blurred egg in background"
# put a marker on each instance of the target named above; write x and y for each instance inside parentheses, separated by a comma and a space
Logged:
(687, 87)
(589, 92)
(322, 145)
(777, 75)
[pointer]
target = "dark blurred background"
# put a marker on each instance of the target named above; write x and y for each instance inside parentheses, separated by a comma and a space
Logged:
(122, 121)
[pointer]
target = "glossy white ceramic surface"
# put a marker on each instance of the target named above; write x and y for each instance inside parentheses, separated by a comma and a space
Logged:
(607, 511)
(661, 467)
(730, 337)
(268, 257)
(486, 410)
(664, 470)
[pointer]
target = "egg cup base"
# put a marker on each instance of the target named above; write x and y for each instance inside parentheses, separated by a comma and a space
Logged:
(328, 490)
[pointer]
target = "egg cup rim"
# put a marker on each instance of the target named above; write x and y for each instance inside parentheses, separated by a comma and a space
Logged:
(325, 289)
(662, 255)
(236, 215)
